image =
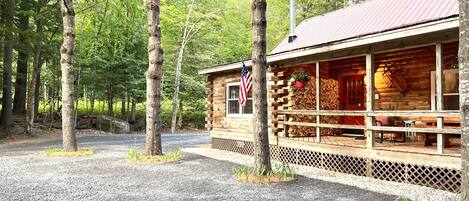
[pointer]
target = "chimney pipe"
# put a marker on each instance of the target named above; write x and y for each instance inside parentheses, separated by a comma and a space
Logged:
(292, 35)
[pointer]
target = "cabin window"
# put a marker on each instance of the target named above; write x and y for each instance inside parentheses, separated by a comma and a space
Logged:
(450, 92)
(233, 107)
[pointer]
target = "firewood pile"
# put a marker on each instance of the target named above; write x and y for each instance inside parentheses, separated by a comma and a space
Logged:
(305, 99)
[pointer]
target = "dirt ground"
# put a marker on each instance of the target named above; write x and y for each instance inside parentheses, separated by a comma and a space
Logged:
(27, 174)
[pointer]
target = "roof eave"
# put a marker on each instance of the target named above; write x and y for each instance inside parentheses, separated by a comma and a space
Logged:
(424, 28)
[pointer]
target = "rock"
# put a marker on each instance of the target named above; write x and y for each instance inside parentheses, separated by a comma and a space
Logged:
(86, 122)
(111, 124)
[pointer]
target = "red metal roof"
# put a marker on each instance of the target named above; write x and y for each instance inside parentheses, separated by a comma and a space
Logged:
(372, 16)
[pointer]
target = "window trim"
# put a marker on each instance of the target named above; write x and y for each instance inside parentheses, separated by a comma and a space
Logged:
(240, 112)
(433, 87)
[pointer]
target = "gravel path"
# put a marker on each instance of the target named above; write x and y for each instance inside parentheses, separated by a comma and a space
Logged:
(26, 174)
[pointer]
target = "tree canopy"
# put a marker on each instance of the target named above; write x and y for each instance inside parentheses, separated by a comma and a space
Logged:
(111, 47)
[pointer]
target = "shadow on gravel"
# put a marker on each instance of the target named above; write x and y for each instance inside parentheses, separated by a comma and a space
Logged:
(107, 176)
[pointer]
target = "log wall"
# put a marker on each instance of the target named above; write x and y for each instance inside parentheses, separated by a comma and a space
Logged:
(415, 66)
(217, 121)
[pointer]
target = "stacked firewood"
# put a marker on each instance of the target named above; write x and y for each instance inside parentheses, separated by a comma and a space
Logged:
(305, 99)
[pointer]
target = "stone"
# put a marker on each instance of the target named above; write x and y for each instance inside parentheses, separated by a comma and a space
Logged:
(111, 124)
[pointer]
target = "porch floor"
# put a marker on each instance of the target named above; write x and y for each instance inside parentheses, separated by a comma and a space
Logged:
(408, 152)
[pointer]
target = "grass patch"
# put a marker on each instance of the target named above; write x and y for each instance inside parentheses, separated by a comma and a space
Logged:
(402, 198)
(282, 172)
(133, 156)
(58, 152)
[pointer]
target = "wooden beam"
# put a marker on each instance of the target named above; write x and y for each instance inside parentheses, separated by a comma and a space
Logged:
(389, 113)
(374, 128)
(343, 126)
(418, 130)
(439, 94)
(318, 101)
(370, 97)
(323, 112)
(415, 113)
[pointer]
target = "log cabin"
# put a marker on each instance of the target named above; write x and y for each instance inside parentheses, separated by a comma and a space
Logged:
(382, 100)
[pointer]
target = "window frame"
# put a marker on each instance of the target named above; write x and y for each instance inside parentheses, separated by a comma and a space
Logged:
(433, 88)
(227, 99)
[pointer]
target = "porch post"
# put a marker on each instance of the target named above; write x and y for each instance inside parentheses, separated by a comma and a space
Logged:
(370, 96)
(439, 96)
(318, 101)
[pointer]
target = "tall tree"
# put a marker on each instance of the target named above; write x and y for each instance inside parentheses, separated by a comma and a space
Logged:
(37, 63)
(8, 12)
(66, 62)
(464, 94)
(22, 65)
(189, 31)
(259, 91)
(153, 79)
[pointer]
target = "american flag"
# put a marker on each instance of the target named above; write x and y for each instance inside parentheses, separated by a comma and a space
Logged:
(245, 86)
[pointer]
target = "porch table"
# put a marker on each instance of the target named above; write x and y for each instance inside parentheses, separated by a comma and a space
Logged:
(430, 122)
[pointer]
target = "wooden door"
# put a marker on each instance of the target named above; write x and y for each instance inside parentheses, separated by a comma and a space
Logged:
(352, 97)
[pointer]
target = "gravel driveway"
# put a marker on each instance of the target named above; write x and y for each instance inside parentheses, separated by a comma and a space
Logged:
(26, 174)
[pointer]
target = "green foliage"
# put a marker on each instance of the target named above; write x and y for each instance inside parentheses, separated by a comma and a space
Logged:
(133, 154)
(301, 76)
(242, 171)
(284, 170)
(171, 156)
(402, 198)
(111, 49)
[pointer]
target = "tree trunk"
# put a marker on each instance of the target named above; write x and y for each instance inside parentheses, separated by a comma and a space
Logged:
(181, 111)
(127, 113)
(33, 91)
(8, 14)
(176, 90)
(110, 110)
(31, 106)
(259, 65)
(123, 111)
(132, 113)
(66, 62)
(37, 87)
(464, 94)
(186, 36)
(77, 85)
(92, 101)
(19, 101)
(153, 79)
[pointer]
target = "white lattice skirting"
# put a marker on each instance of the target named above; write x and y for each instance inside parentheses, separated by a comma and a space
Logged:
(435, 177)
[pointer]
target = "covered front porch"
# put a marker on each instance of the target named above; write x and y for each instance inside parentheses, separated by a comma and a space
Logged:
(409, 105)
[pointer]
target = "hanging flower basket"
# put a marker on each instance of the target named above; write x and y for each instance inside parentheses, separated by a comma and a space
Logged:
(299, 84)
(300, 78)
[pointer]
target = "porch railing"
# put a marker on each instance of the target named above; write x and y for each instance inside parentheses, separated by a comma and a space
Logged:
(372, 127)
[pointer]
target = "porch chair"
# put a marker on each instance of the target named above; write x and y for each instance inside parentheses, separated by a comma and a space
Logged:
(387, 121)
